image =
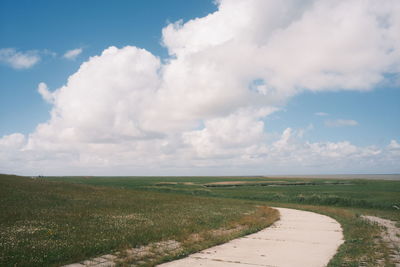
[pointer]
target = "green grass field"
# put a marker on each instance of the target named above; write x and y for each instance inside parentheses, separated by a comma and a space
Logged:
(377, 194)
(58, 220)
(344, 200)
(49, 223)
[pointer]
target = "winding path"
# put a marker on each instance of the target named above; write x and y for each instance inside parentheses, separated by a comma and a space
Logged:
(299, 238)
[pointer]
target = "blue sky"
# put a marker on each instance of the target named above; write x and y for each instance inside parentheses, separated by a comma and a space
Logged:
(347, 107)
(377, 113)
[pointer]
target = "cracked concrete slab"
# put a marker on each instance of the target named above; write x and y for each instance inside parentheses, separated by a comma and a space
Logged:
(299, 238)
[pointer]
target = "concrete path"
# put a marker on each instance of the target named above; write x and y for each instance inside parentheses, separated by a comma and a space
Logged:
(299, 238)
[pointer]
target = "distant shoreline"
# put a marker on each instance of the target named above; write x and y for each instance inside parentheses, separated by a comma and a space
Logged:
(342, 176)
(389, 177)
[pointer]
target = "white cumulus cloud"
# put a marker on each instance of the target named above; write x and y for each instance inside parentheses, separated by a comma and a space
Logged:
(72, 54)
(45, 93)
(394, 145)
(19, 60)
(12, 141)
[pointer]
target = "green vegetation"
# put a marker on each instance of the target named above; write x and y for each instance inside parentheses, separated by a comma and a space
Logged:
(376, 194)
(59, 220)
(343, 200)
(46, 222)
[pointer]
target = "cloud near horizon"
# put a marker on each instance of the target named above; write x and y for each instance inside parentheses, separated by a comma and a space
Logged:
(202, 111)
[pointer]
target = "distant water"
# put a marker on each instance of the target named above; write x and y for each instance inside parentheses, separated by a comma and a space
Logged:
(345, 176)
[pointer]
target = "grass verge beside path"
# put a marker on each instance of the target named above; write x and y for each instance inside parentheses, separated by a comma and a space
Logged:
(47, 223)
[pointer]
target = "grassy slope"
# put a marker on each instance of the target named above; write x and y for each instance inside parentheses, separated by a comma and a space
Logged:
(50, 223)
(342, 202)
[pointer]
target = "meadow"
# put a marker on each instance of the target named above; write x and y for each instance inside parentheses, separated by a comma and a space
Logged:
(50, 223)
(343, 199)
(357, 193)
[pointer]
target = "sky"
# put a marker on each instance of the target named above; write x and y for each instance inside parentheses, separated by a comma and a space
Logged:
(199, 87)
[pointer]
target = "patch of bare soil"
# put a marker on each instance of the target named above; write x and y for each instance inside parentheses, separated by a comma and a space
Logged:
(142, 256)
(244, 182)
(222, 232)
(173, 183)
(146, 254)
(390, 235)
